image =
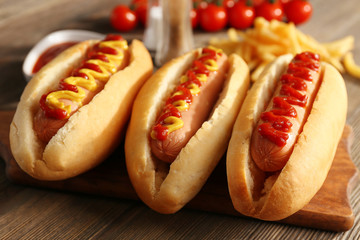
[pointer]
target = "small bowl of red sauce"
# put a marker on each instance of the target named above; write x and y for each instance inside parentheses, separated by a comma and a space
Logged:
(51, 46)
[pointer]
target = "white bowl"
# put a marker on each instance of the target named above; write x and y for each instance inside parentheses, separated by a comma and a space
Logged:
(53, 39)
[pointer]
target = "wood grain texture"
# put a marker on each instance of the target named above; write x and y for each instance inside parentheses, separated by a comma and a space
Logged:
(35, 213)
(329, 210)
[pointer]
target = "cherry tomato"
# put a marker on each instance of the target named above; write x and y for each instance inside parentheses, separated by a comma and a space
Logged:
(298, 11)
(194, 16)
(241, 15)
(284, 4)
(200, 6)
(257, 3)
(123, 19)
(136, 2)
(213, 18)
(270, 9)
(227, 4)
(198, 3)
(141, 12)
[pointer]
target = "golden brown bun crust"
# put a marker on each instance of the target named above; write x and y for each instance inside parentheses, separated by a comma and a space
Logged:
(91, 133)
(308, 166)
(167, 189)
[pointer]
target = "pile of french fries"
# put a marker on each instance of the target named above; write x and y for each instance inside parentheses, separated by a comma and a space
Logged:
(261, 44)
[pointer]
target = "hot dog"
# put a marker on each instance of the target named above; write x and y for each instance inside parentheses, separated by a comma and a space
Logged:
(72, 113)
(168, 178)
(281, 151)
(193, 99)
(106, 58)
(280, 124)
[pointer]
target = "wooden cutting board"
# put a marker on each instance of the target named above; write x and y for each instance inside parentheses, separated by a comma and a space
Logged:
(330, 209)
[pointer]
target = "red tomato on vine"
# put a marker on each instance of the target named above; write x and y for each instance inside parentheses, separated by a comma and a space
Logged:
(257, 3)
(298, 11)
(141, 12)
(227, 4)
(270, 9)
(123, 19)
(241, 15)
(212, 18)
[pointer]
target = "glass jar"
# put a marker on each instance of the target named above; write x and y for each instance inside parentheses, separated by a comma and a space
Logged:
(152, 32)
(176, 36)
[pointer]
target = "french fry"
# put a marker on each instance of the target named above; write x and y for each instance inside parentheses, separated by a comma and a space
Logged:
(296, 47)
(350, 65)
(340, 47)
(269, 39)
(227, 46)
(257, 72)
(232, 34)
(253, 64)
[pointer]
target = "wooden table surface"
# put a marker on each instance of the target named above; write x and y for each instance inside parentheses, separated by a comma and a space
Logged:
(31, 213)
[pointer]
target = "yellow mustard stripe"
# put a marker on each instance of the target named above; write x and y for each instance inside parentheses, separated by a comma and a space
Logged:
(211, 65)
(106, 67)
(115, 59)
(54, 97)
(194, 88)
(217, 50)
(177, 93)
(173, 123)
(181, 105)
(114, 44)
(81, 82)
(202, 77)
(183, 79)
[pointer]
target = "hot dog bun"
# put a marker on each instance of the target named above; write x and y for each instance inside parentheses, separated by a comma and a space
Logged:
(253, 192)
(92, 132)
(165, 187)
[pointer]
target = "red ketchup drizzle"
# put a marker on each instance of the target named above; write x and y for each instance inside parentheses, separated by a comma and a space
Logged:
(198, 67)
(94, 54)
(161, 131)
(186, 95)
(192, 79)
(276, 126)
(50, 112)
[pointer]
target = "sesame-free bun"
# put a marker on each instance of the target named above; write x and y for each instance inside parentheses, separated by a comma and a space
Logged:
(92, 132)
(255, 194)
(165, 187)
